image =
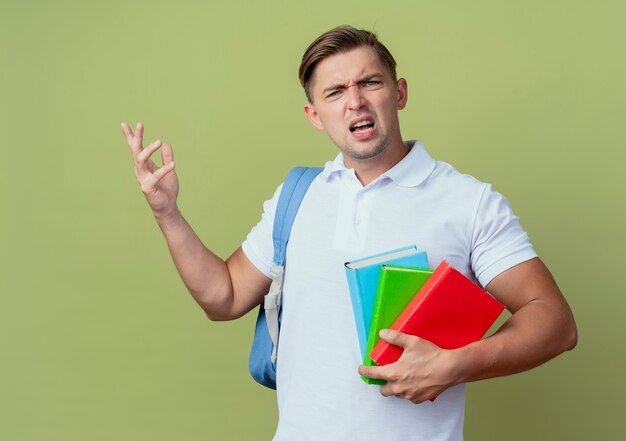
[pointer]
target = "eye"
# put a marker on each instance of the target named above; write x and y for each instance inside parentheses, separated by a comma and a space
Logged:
(334, 94)
(372, 83)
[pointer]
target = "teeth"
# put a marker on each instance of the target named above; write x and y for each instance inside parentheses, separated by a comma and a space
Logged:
(362, 123)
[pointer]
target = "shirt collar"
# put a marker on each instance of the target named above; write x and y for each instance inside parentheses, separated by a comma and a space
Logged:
(333, 167)
(411, 171)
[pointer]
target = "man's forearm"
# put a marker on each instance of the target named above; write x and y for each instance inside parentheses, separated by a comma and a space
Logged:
(205, 275)
(542, 325)
(529, 338)
(224, 290)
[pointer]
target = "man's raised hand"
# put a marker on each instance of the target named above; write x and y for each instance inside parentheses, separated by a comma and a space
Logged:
(158, 184)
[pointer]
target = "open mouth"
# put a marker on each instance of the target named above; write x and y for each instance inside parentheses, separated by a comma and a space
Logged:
(362, 126)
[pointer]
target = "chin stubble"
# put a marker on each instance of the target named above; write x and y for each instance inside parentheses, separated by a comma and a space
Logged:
(356, 154)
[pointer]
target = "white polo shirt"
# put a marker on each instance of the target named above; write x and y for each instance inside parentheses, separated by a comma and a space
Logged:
(420, 201)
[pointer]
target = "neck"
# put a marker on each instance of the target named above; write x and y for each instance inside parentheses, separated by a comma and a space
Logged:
(367, 170)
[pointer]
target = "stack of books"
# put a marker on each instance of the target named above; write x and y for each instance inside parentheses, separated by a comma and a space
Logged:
(396, 290)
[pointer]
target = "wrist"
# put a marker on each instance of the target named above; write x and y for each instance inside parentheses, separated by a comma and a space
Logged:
(477, 360)
(462, 363)
(168, 218)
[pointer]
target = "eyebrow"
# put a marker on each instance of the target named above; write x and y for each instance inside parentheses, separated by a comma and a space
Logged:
(363, 79)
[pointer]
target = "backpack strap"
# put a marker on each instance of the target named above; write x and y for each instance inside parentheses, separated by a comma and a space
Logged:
(295, 187)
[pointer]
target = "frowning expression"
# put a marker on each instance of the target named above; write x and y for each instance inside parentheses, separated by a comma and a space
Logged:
(356, 101)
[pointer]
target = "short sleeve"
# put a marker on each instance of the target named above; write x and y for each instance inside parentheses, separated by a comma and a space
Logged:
(498, 240)
(258, 246)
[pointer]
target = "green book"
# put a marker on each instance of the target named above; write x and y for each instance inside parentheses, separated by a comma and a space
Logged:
(397, 285)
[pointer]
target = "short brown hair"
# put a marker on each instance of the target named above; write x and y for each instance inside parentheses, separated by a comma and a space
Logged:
(338, 40)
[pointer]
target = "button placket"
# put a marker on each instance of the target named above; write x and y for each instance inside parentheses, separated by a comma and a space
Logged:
(347, 235)
(359, 208)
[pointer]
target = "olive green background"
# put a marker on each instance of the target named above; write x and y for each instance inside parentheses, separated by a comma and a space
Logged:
(99, 339)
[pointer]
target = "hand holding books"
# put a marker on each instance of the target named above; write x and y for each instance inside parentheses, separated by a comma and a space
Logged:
(443, 308)
(421, 373)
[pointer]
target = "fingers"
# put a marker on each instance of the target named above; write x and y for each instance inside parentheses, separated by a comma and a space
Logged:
(167, 154)
(135, 140)
(138, 139)
(128, 134)
(147, 172)
(143, 156)
(153, 180)
(373, 372)
(383, 373)
(409, 392)
(386, 390)
(160, 173)
(396, 338)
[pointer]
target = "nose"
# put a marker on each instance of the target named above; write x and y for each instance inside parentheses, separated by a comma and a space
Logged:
(355, 98)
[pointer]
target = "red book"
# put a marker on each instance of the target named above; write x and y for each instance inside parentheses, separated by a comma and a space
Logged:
(449, 311)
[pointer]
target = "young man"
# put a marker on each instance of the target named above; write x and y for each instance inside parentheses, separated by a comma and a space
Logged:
(379, 193)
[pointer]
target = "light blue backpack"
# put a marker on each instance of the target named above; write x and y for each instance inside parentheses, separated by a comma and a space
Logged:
(262, 363)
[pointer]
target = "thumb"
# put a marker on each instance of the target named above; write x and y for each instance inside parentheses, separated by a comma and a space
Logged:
(167, 154)
(395, 337)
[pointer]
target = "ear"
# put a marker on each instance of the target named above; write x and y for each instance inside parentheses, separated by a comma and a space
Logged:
(313, 116)
(402, 90)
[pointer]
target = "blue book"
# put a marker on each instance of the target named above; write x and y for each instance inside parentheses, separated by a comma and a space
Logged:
(363, 275)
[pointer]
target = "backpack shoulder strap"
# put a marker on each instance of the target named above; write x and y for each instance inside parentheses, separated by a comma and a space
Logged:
(295, 187)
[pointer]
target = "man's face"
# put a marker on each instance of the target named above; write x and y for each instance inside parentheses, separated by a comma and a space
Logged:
(356, 101)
